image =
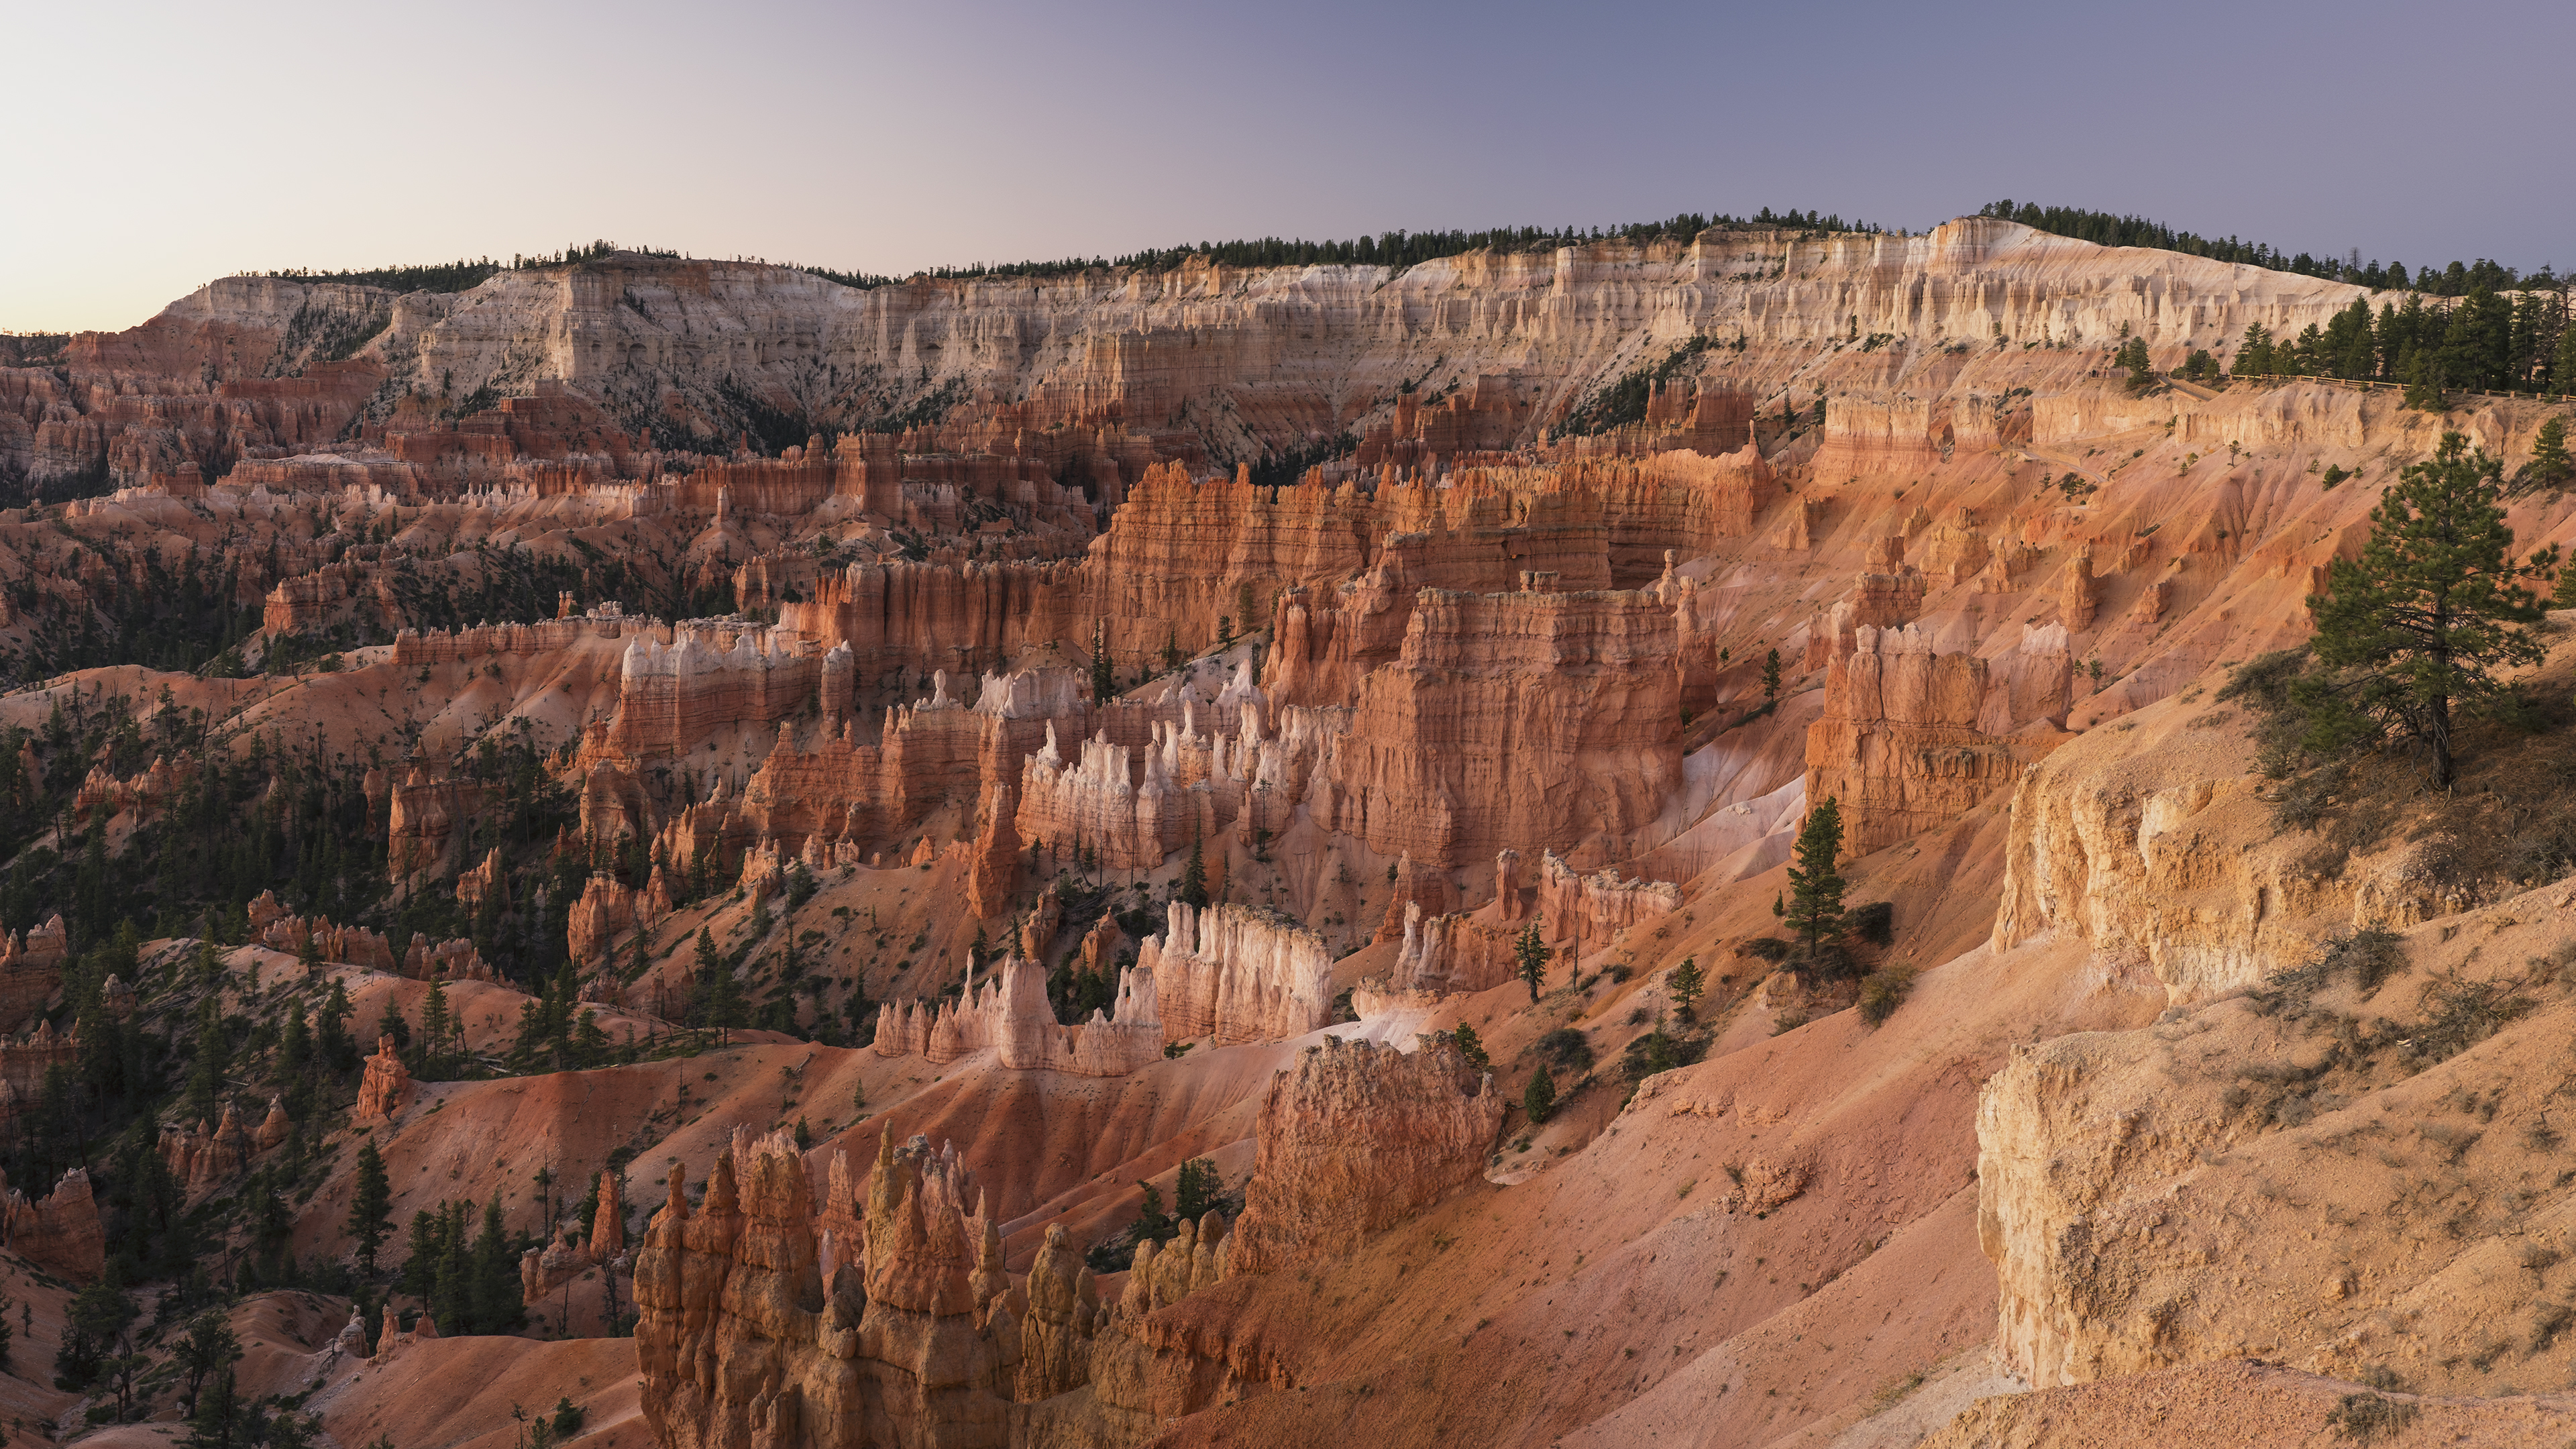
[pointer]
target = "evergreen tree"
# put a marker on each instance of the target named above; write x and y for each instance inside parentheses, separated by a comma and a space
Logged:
(208, 1062)
(1539, 1098)
(2562, 363)
(2423, 382)
(370, 1208)
(2550, 467)
(294, 1068)
(217, 1421)
(1684, 986)
(1104, 678)
(1815, 909)
(434, 1028)
(419, 1274)
(451, 1296)
(331, 1039)
(1151, 1220)
(2254, 352)
(2133, 356)
(1194, 891)
(494, 1295)
(2429, 612)
(94, 1325)
(1771, 678)
(1472, 1048)
(272, 1227)
(1529, 955)
(208, 1348)
(1195, 1190)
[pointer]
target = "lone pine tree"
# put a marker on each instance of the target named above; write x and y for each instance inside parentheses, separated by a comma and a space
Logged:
(2420, 625)
(1815, 909)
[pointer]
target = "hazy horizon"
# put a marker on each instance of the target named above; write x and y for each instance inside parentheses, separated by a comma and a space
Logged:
(194, 145)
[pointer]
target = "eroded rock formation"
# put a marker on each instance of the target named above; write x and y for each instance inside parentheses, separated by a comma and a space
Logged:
(1354, 1139)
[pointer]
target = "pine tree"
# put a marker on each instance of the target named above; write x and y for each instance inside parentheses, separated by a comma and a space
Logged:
(294, 1069)
(494, 1295)
(208, 1348)
(420, 1268)
(1472, 1048)
(2431, 610)
(1815, 909)
(433, 1032)
(1771, 678)
(370, 1208)
(331, 1039)
(2550, 466)
(1684, 986)
(2562, 363)
(2423, 381)
(1530, 954)
(210, 1060)
(1194, 891)
(1104, 678)
(1539, 1098)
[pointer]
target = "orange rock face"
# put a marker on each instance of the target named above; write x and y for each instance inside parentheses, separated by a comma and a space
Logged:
(1899, 746)
(1233, 974)
(61, 1232)
(1009, 1015)
(386, 1087)
(1522, 719)
(1354, 1139)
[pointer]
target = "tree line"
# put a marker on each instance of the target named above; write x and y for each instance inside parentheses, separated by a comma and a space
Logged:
(2117, 230)
(2486, 341)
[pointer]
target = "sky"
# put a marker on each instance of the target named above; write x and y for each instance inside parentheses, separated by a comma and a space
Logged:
(162, 145)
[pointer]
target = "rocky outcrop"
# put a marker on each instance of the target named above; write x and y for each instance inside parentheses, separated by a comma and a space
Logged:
(759, 1322)
(1354, 1139)
(1594, 909)
(271, 926)
(61, 1232)
(385, 1089)
(204, 1158)
(607, 911)
(1522, 719)
(718, 673)
(1232, 974)
(1898, 746)
(1008, 1014)
(25, 1064)
(31, 971)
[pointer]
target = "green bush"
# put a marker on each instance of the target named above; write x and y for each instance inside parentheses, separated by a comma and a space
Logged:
(1566, 1047)
(1882, 992)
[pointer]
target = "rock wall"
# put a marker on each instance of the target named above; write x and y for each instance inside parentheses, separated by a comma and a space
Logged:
(385, 1088)
(1354, 1139)
(1522, 719)
(1009, 1015)
(1233, 974)
(61, 1232)
(761, 1322)
(1898, 745)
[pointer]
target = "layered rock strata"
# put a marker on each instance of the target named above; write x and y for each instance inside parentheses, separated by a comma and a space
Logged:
(1354, 1139)
(1232, 974)
(1009, 1015)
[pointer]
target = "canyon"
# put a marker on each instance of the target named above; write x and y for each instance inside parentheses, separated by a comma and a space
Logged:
(1196, 855)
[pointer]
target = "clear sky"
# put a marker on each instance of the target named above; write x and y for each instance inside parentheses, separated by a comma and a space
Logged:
(157, 146)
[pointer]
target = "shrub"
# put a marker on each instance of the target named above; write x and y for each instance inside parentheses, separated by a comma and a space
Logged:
(1874, 922)
(1769, 948)
(1882, 992)
(1566, 1047)
(2367, 1417)
(1539, 1099)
